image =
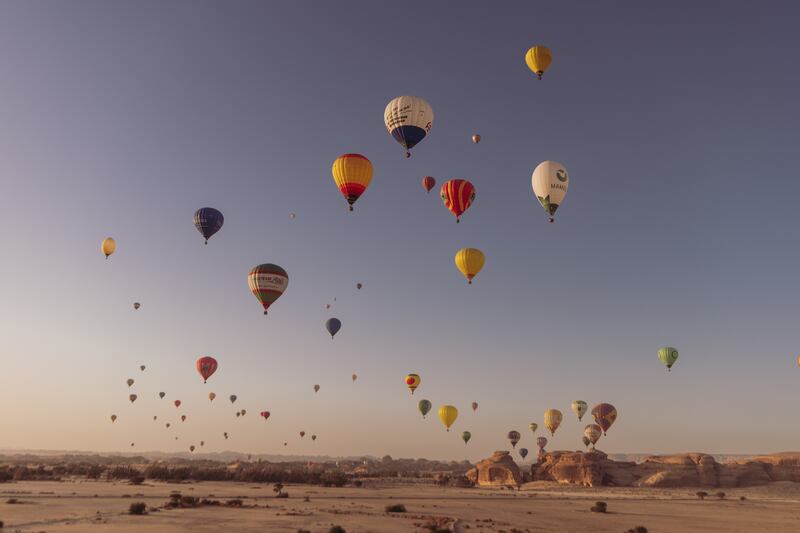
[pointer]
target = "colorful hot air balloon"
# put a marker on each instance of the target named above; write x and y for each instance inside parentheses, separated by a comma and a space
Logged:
(550, 182)
(132, 397)
(465, 436)
(316, 388)
(267, 282)
(108, 246)
(208, 221)
(586, 441)
(457, 196)
(592, 432)
(162, 394)
(232, 398)
(177, 403)
(183, 418)
(206, 366)
(333, 325)
(408, 119)
(211, 396)
(604, 415)
(552, 419)
(302, 434)
(136, 305)
(355, 377)
(668, 355)
(538, 59)
(513, 438)
(474, 406)
(541, 442)
(476, 138)
(113, 418)
(523, 452)
(428, 183)
(579, 407)
(264, 415)
(533, 426)
(352, 174)
(412, 382)
(424, 407)
(130, 382)
(448, 415)
(469, 261)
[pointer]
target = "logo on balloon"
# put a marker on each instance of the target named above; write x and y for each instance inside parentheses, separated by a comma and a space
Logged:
(561, 174)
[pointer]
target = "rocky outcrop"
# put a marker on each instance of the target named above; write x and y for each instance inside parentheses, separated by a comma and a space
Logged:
(594, 468)
(499, 470)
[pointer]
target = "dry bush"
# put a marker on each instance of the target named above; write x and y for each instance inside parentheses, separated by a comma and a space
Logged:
(701, 494)
(720, 495)
(236, 502)
(396, 508)
(599, 507)
(12, 501)
(637, 529)
(138, 508)
(337, 529)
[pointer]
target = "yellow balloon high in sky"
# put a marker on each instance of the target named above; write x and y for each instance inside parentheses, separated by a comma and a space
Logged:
(108, 246)
(469, 261)
(448, 415)
(538, 59)
(552, 419)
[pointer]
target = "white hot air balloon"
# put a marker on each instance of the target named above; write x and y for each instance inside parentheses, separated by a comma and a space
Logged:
(550, 182)
(408, 119)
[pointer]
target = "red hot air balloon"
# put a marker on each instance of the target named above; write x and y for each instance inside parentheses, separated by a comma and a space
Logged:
(604, 415)
(177, 403)
(265, 415)
(206, 366)
(457, 196)
(428, 183)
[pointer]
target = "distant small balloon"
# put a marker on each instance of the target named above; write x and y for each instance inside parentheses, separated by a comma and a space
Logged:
(533, 426)
(474, 406)
(155, 417)
(132, 398)
(302, 434)
(292, 216)
(358, 286)
(355, 377)
(541, 442)
(238, 414)
(183, 418)
(424, 407)
(232, 398)
(476, 138)
(264, 415)
(191, 448)
(167, 424)
(142, 367)
(162, 394)
(333, 325)
(136, 305)
(316, 388)
(428, 183)
(523, 452)
(206, 366)
(129, 382)
(211, 396)
(513, 438)
(177, 403)
(465, 436)
(313, 437)
(412, 382)
(113, 418)
(244, 412)
(202, 442)
(108, 246)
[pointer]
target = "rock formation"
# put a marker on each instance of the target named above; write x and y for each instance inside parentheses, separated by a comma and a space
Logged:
(499, 470)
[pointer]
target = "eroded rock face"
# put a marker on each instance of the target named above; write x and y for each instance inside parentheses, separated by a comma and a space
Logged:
(580, 468)
(497, 471)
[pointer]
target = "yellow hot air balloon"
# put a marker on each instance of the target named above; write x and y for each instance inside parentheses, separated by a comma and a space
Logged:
(448, 415)
(108, 246)
(412, 382)
(352, 174)
(469, 261)
(552, 419)
(538, 59)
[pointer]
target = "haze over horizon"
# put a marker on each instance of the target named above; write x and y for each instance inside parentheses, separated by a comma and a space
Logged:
(680, 227)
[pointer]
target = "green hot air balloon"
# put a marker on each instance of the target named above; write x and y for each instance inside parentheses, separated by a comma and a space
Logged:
(668, 355)
(465, 436)
(424, 407)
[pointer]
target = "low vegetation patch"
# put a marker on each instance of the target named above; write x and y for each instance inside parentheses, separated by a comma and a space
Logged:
(637, 529)
(396, 508)
(137, 508)
(337, 529)
(720, 495)
(599, 507)
(701, 494)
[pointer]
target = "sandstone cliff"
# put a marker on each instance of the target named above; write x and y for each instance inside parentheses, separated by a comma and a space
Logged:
(499, 470)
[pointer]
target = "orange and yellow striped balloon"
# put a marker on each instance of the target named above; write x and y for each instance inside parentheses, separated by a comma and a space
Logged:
(457, 196)
(352, 173)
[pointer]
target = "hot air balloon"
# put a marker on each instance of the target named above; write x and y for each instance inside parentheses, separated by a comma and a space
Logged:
(132, 398)
(465, 436)
(264, 415)
(142, 367)
(586, 441)
(191, 448)
(208, 221)
(552, 419)
(579, 407)
(408, 119)
(474, 406)
(108, 246)
(327, 306)
(211, 396)
(244, 412)
(206, 366)
(604, 415)
(333, 325)
(476, 138)
(238, 414)
(267, 282)
(313, 437)
(355, 377)
(177, 403)
(136, 305)
(183, 418)
(225, 434)
(457, 196)
(359, 286)
(593, 433)
(202, 443)
(167, 424)
(523, 452)
(541, 442)
(133, 443)
(316, 388)
(412, 382)
(352, 174)
(798, 360)
(113, 418)
(428, 183)
(162, 394)
(424, 407)
(130, 382)
(232, 398)
(469, 261)
(302, 434)
(155, 417)
(448, 415)
(513, 437)
(538, 59)
(533, 426)
(550, 182)
(668, 355)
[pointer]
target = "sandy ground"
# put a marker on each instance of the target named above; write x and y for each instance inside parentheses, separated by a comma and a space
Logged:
(539, 507)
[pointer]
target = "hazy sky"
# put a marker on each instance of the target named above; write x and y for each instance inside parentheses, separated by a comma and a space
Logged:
(678, 124)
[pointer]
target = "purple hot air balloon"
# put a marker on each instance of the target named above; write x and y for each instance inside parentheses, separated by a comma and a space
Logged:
(541, 442)
(208, 221)
(333, 325)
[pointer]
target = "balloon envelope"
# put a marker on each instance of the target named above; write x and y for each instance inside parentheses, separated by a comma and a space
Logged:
(113, 418)
(523, 452)
(412, 382)
(474, 406)
(136, 305)
(533, 426)
(593, 432)
(541, 442)
(552, 419)
(267, 282)
(448, 415)
(668, 355)
(579, 407)
(513, 438)
(333, 325)
(129, 382)
(604, 415)
(469, 261)
(208, 221)
(108, 246)
(408, 119)
(465, 436)
(177, 403)
(550, 182)
(424, 407)
(132, 398)
(206, 366)
(162, 394)
(428, 183)
(211, 396)
(232, 398)
(538, 58)
(457, 195)
(352, 174)
(264, 415)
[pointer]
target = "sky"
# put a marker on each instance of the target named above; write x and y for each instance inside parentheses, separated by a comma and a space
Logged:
(678, 123)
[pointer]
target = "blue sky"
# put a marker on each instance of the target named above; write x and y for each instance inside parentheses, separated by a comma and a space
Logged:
(678, 124)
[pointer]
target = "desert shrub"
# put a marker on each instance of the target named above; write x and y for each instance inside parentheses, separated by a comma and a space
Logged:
(306, 499)
(12, 501)
(337, 529)
(637, 529)
(333, 478)
(282, 495)
(701, 494)
(277, 488)
(206, 501)
(236, 502)
(139, 508)
(396, 508)
(720, 495)
(5, 475)
(742, 498)
(188, 501)
(358, 483)
(136, 480)
(599, 507)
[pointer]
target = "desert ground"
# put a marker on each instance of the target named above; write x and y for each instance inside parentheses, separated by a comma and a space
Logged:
(85, 505)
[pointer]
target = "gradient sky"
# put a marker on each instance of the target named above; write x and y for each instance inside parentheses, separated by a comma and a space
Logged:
(678, 124)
